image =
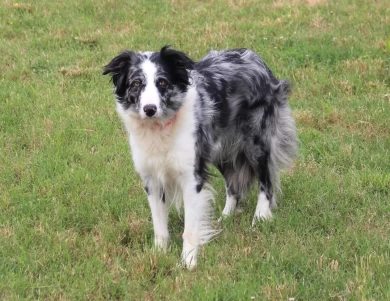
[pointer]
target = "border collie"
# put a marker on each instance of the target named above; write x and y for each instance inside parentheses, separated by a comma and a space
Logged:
(227, 109)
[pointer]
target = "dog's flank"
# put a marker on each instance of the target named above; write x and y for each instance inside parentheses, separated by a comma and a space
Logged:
(227, 109)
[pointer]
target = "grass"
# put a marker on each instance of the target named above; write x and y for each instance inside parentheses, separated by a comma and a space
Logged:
(74, 220)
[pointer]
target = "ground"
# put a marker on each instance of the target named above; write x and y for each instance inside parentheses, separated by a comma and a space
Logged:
(74, 220)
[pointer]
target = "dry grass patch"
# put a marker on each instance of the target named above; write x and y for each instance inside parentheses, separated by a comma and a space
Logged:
(327, 263)
(48, 124)
(361, 125)
(285, 291)
(319, 24)
(305, 118)
(361, 66)
(22, 7)
(218, 32)
(6, 232)
(287, 3)
(75, 71)
(123, 30)
(309, 166)
(90, 41)
(367, 129)
(69, 237)
(347, 149)
(345, 86)
(384, 45)
(135, 233)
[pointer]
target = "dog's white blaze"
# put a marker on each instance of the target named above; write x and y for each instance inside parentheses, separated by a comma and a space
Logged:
(263, 210)
(150, 95)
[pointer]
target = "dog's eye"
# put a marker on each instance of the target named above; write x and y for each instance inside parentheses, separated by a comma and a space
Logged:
(162, 83)
(137, 83)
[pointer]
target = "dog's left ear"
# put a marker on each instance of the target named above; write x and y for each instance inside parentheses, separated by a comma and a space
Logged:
(119, 70)
(178, 64)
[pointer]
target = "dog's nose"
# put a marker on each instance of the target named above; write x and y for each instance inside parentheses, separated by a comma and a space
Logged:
(150, 110)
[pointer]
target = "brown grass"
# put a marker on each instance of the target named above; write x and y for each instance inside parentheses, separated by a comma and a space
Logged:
(22, 7)
(6, 232)
(75, 71)
(366, 128)
(87, 40)
(287, 3)
(361, 66)
(280, 291)
(304, 118)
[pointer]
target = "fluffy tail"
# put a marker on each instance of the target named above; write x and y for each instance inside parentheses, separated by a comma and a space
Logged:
(284, 138)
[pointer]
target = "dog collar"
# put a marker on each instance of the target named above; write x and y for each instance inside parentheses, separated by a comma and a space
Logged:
(168, 123)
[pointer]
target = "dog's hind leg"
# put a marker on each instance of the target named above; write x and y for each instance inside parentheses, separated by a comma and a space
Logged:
(159, 209)
(266, 198)
(277, 145)
(238, 177)
(232, 197)
(231, 203)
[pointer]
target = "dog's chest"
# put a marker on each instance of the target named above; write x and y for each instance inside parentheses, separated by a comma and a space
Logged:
(165, 153)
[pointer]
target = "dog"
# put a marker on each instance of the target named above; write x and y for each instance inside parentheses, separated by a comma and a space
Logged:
(227, 109)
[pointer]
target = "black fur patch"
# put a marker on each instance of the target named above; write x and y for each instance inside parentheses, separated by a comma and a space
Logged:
(199, 187)
(119, 68)
(176, 64)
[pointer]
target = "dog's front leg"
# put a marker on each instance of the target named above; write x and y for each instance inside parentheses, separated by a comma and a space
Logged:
(196, 219)
(191, 239)
(159, 209)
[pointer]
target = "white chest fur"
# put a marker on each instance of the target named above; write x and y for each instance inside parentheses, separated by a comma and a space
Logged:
(164, 152)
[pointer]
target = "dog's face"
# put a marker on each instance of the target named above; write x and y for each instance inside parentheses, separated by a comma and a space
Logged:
(150, 85)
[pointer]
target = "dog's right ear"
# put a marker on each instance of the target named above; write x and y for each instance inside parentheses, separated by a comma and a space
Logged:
(119, 70)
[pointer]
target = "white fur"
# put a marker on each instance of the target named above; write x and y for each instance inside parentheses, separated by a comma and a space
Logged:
(230, 205)
(159, 211)
(150, 95)
(263, 210)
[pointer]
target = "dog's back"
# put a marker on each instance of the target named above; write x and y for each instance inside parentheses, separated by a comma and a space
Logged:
(252, 128)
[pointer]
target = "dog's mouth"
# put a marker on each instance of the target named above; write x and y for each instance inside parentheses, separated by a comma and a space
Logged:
(159, 122)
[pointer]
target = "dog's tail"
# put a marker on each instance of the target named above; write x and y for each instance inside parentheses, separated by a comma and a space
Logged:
(284, 138)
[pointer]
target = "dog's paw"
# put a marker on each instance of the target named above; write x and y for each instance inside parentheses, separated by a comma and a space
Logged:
(190, 265)
(223, 217)
(187, 262)
(161, 244)
(262, 216)
(189, 256)
(228, 214)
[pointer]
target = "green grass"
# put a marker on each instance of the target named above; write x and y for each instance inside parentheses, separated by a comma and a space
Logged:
(74, 220)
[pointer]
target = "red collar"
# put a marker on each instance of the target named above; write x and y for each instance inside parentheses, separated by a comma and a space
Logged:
(168, 123)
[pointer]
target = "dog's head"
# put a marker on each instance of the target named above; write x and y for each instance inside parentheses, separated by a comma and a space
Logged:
(150, 84)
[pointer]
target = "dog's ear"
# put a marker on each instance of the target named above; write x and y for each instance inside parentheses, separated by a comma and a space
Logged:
(178, 64)
(119, 70)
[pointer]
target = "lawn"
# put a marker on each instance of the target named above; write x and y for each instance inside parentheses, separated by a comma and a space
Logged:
(74, 219)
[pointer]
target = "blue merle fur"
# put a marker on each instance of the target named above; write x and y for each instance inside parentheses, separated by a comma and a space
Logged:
(244, 125)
